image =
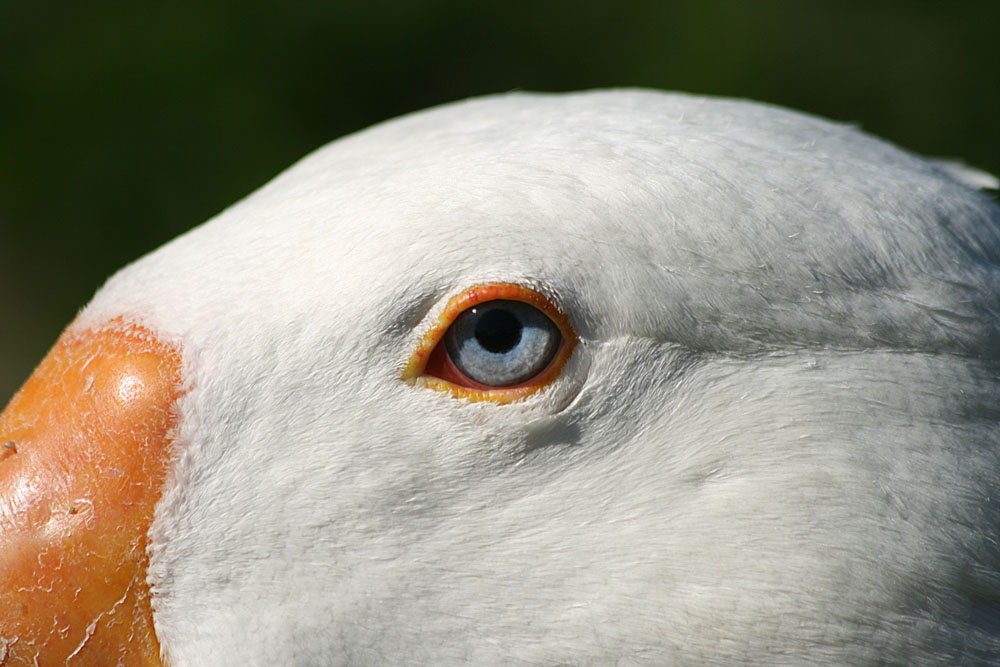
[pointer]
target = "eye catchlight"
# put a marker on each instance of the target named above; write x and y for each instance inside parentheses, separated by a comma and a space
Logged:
(495, 342)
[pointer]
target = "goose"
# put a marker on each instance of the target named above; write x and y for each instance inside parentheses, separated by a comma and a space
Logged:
(619, 377)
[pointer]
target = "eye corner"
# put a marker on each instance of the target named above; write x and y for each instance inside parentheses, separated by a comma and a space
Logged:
(431, 366)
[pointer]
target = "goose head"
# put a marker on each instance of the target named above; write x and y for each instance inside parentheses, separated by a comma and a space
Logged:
(619, 377)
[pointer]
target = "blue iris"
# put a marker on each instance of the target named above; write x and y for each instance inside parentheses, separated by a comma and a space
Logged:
(502, 343)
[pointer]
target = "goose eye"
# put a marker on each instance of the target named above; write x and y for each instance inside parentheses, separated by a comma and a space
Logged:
(502, 343)
(497, 342)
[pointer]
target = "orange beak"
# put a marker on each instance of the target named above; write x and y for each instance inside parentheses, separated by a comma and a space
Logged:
(84, 450)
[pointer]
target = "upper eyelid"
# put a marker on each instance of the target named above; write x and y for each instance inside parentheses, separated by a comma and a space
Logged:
(413, 371)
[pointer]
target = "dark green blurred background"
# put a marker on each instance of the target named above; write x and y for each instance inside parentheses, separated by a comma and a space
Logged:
(123, 124)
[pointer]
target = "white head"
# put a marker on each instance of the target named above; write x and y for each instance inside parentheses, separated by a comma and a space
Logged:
(775, 441)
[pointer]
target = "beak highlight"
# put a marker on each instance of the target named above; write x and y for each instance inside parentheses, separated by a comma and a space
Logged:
(84, 451)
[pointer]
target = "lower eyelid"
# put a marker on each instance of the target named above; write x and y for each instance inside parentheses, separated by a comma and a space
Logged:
(430, 367)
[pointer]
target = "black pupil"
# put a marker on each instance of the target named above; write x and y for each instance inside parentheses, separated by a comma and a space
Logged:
(498, 330)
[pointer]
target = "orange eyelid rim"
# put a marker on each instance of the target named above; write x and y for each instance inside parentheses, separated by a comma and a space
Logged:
(414, 372)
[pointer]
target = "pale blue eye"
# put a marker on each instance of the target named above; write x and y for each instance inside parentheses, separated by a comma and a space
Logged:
(502, 343)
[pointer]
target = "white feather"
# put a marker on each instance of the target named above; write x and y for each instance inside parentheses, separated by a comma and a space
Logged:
(776, 444)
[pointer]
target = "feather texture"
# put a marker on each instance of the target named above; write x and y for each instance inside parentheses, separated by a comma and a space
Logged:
(775, 444)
